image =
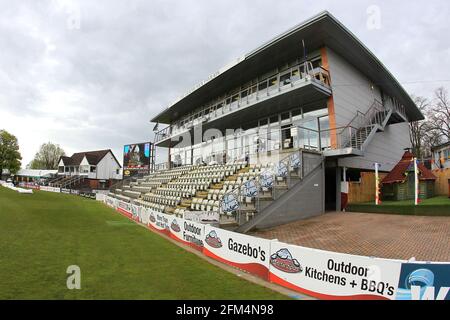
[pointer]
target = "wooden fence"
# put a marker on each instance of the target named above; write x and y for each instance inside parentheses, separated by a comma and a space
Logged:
(441, 185)
(363, 191)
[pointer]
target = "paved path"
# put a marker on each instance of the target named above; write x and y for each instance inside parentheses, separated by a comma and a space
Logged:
(379, 235)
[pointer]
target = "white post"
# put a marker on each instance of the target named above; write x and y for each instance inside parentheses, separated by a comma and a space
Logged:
(416, 183)
(377, 185)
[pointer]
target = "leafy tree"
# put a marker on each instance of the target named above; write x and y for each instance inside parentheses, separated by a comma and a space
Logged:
(9, 153)
(47, 157)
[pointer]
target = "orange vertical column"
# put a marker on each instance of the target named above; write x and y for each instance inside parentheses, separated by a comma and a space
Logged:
(330, 102)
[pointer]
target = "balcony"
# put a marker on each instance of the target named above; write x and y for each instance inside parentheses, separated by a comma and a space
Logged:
(290, 87)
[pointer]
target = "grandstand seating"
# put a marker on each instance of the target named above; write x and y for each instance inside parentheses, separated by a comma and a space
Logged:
(192, 188)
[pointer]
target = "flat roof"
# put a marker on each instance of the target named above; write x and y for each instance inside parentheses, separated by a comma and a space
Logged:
(319, 31)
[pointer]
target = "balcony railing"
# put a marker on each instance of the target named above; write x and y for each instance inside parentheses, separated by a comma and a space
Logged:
(270, 86)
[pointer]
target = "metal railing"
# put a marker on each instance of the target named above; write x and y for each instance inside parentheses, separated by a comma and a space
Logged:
(261, 89)
(261, 187)
(357, 130)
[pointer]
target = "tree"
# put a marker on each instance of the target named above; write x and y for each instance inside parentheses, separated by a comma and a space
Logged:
(417, 129)
(47, 157)
(9, 153)
(439, 115)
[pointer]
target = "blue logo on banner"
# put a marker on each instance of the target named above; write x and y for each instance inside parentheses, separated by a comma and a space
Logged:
(295, 160)
(424, 282)
(229, 203)
(250, 188)
(266, 180)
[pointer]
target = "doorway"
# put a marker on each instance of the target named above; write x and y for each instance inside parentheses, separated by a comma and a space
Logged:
(330, 188)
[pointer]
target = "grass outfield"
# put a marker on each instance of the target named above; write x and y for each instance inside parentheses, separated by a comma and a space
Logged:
(43, 233)
(436, 206)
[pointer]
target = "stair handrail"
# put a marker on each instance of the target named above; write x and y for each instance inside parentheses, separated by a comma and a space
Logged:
(369, 118)
(289, 162)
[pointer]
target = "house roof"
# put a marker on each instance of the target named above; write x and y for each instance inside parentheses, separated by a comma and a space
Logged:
(322, 30)
(92, 157)
(397, 174)
(446, 144)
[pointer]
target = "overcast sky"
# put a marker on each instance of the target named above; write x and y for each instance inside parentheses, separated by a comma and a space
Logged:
(90, 74)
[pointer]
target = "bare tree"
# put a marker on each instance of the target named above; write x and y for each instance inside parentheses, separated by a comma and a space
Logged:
(439, 116)
(417, 129)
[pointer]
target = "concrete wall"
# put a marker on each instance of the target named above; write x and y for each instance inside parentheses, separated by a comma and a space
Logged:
(352, 91)
(305, 199)
(386, 148)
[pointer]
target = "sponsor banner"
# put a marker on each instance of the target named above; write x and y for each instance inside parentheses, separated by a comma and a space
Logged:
(75, 192)
(136, 212)
(424, 281)
(110, 202)
(100, 196)
(159, 222)
(241, 251)
(176, 226)
(51, 189)
(193, 234)
(124, 208)
(29, 185)
(187, 232)
(64, 190)
(329, 275)
(207, 217)
(145, 216)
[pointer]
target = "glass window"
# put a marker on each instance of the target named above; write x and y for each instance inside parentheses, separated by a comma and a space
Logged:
(295, 75)
(262, 85)
(285, 116)
(273, 82)
(274, 120)
(263, 122)
(285, 79)
(244, 93)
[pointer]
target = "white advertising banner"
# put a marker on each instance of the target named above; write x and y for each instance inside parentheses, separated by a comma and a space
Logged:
(244, 252)
(159, 222)
(100, 196)
(124, 208)
(202, 216)
(136, 212)
(329, 275)
(188, 232)
(51, 189)
(110, 201)
(145, 216)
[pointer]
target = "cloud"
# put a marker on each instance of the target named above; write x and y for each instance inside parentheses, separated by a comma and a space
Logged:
(97, 86)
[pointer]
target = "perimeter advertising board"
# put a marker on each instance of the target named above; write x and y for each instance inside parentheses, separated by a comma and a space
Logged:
(241, 251)
(330, 275)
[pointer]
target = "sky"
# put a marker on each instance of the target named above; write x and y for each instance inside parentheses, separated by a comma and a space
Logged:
(89, 75)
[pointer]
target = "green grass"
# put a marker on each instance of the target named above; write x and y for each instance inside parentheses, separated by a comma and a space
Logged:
(43, 233)
(436, 206)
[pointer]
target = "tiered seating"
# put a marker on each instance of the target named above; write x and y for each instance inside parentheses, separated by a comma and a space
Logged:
(201, 178)
(201, 204)
(159, 199)
(186, 188)
(153, 206)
